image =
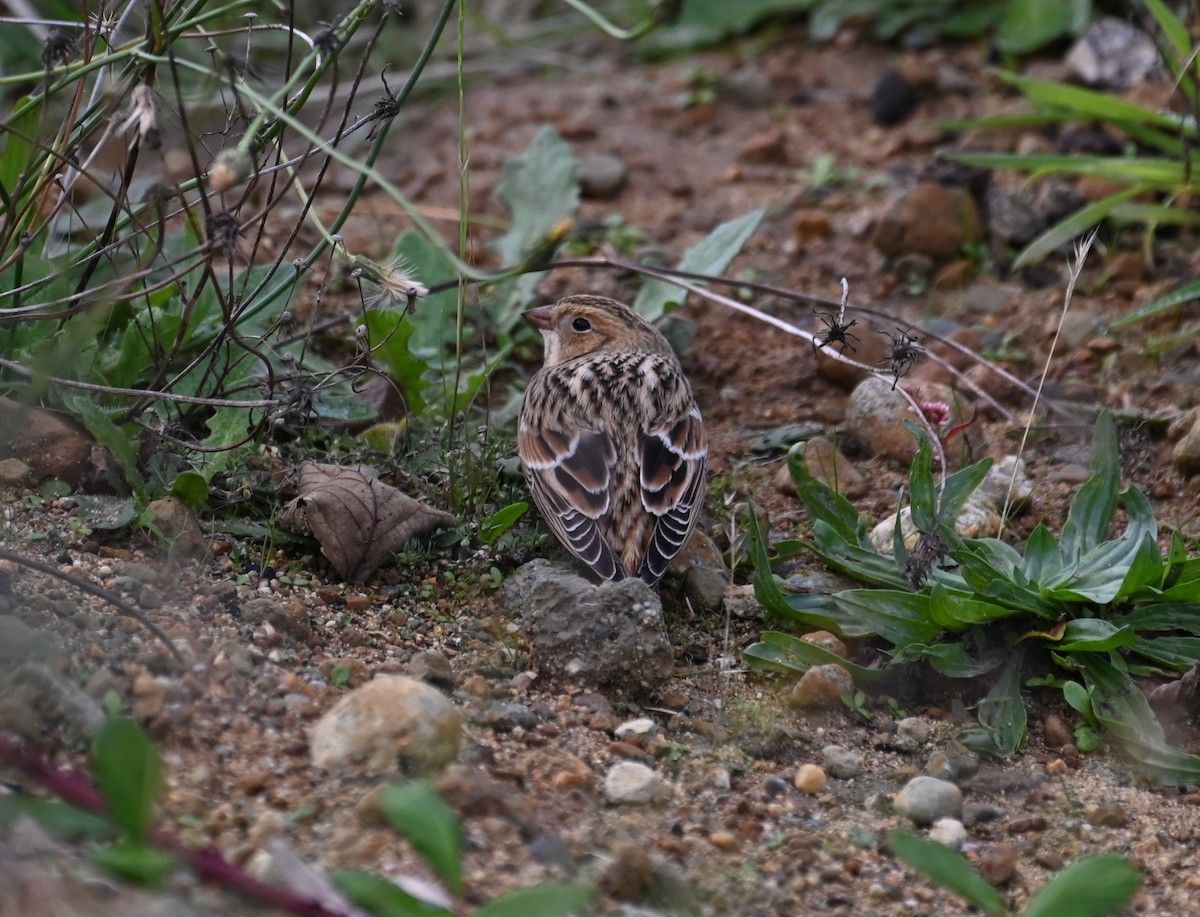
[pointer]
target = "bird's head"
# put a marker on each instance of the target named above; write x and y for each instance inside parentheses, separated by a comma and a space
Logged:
(579, 326)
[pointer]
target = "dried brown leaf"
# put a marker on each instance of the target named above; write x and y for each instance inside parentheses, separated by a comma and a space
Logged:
(358, 520)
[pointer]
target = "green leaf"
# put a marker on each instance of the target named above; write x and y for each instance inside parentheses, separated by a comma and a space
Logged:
(711, 255)
(136, 863)
(922, 490)
(1122, 709)
(951, 659)
(390, 333)
(416, 811)
(1094, 635)
(105, 512)
(1180, 39)
(1030, 24)
(1092, 887)
(499, 522)
(1073, 226)
(784, 652)
(1089, 103)
(1080, 699)
(226, 428)
(191, 488)
(825, 504)
(949, 869)
(1176, 653)
(955, 611)
(548, 900)
(1169, 302)
(1091, 514)
(129, 772)
(959, 487)
(120, 444)
(382, 898)
(54, 817)
(703, 22)
(1002, 717)
(540, 190)
(1043, 559)
(434, 320)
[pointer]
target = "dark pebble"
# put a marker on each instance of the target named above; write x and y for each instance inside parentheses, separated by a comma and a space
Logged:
(893, 99)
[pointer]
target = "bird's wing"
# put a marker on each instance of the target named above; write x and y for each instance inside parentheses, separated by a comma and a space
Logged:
(570, 472)
(674, 452)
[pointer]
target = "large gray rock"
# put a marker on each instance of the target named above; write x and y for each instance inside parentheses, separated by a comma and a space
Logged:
(608, 637)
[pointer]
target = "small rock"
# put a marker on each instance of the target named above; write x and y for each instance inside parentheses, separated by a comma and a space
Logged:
(926, 799)
(345, 671)
(603, 637)
(48, 444)
(841, 762)
(1056, 731)
(724, 840)
(827, 465)
(1186, 453)
(291, 618)
(823, 639)
(1012, 215)
(930, 219)
(179, 526)
(876, 414)
(740, 602)
(893, 98)
(58, 699)
(949, 832)
(768, 147)
(433, 668)
(917, 728)
(1025, 823)
(507, 717)
(704, 588)
(1113, 54)
(391, 718)
(1108, 815)
(628, 874)
(601, 175)
(998, 864)
(631, 783)
(978, 518)
(1007, 481)
(810, 779)
(150, 696)
(955, 762)
(644, 726)
(821, 688)
(20, 643)
(14, 471)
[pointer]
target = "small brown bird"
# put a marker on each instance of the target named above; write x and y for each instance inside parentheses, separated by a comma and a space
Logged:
(611, 439)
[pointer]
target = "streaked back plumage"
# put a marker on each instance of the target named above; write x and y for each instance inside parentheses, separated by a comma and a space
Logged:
(613, 444)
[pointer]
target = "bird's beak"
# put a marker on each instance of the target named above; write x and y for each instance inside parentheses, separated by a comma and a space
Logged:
(541, 318)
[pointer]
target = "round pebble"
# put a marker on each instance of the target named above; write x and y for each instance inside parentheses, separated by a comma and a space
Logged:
(810, 779)
(841, 762)
(949, 832)
(821, 688)
(631, 783)
(926, 799)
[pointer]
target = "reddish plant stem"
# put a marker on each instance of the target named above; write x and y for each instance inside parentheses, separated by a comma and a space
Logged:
(207, 862)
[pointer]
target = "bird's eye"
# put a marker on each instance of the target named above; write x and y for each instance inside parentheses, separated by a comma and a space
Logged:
(582, 325)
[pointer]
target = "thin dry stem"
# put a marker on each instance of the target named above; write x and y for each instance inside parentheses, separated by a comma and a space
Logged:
(1081, 253)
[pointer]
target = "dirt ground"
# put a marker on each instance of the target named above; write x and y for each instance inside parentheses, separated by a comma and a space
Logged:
(731, 834)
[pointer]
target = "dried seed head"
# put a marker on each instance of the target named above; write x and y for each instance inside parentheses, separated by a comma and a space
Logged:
(232, 167)
(390, 285)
